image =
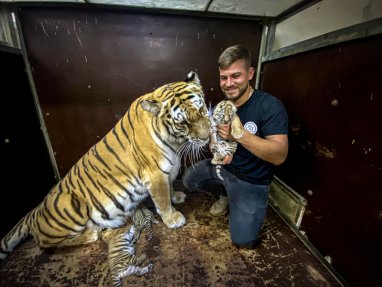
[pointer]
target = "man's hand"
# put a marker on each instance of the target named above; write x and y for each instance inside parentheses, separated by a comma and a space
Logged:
(233, 131)
(224, 130)
(228, 159)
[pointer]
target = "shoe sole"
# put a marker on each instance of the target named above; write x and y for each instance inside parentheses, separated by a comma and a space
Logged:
(219, 214)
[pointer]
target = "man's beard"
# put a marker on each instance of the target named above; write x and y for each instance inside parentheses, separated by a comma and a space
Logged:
(235, 96)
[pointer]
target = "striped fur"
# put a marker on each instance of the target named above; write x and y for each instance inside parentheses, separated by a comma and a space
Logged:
(136, 159)
(144, 218)
(223, 113)
(122, 261)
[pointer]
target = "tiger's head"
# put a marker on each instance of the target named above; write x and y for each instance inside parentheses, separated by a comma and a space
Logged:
(181, 111)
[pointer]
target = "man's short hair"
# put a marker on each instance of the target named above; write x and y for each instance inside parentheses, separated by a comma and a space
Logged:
(234, 53)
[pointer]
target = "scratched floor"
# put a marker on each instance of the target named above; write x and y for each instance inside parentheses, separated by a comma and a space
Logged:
(198, 254)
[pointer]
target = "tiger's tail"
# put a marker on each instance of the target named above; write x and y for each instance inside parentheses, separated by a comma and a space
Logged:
(14, 237)
(218, 171)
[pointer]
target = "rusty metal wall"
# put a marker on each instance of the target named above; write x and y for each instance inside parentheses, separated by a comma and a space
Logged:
(89, 64)
(334, 100)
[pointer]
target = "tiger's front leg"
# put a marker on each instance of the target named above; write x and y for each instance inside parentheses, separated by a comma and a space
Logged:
(160, 192)
(176, 196)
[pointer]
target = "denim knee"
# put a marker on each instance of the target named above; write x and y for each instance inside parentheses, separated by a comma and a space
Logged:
(241, 241)
(188, 180)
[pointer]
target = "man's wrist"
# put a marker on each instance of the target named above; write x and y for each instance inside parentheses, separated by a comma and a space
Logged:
(238, 134)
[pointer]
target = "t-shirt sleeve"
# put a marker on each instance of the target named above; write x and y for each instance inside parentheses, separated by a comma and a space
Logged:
(275, 118)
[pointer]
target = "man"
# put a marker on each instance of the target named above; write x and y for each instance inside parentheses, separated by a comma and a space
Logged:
(262, 144)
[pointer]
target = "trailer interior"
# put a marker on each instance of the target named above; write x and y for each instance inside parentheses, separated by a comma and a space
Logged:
(70, 69)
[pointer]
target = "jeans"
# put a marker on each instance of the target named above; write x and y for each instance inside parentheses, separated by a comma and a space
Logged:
(247, 201)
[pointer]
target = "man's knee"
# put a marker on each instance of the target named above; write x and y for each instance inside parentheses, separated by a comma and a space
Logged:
(194, 175)
(245, 234)
(188, 180)
(242, 241)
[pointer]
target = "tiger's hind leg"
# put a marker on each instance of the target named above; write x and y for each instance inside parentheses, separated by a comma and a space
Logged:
(130, 270)
(89, 235)
(136, 270)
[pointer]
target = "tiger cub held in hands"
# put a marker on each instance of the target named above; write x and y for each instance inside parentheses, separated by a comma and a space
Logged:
(136, 159)
(223, 113)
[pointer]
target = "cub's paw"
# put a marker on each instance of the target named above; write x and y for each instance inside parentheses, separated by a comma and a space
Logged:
(174, 220)
(178, 197)
(150, 267)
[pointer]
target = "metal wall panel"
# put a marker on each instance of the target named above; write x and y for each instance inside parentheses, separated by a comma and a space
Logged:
(334, 100)
(89, 64)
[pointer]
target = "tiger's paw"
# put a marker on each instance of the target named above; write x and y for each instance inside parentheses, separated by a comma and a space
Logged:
(174, 220)
(237, 129)
(178, 197)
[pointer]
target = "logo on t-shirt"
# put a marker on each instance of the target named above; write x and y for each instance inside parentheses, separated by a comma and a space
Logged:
(251, 127)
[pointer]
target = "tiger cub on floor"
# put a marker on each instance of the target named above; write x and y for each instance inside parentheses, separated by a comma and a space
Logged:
(223, 113)
(144, 218)
(121, 260)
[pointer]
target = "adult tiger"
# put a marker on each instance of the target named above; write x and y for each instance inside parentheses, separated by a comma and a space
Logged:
(137, 158)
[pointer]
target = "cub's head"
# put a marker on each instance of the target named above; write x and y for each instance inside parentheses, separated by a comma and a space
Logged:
(181, 110)
(224, 112)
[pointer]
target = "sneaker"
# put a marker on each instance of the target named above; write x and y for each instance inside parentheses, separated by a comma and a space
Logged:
(220, 207)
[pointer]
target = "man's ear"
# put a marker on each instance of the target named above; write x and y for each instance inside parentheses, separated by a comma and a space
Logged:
(151, 106)
(251, 72)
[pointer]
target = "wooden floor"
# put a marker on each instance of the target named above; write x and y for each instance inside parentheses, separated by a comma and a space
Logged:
(198, 254)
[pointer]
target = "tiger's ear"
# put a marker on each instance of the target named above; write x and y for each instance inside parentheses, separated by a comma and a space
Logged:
(192, 78)
(151, 106)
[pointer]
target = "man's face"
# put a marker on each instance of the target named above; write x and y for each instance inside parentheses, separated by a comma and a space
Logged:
(234, 80)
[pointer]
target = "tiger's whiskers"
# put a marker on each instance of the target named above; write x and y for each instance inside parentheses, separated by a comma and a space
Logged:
(192, 151)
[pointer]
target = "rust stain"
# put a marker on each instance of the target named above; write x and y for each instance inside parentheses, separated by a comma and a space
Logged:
(325, 151)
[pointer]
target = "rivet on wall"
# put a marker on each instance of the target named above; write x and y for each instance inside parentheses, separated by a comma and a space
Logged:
(334, 102)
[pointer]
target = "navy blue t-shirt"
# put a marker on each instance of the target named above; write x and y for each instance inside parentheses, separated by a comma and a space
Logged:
(262, 115)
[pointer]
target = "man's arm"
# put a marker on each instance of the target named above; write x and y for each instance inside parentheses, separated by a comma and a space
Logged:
(273, 149)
